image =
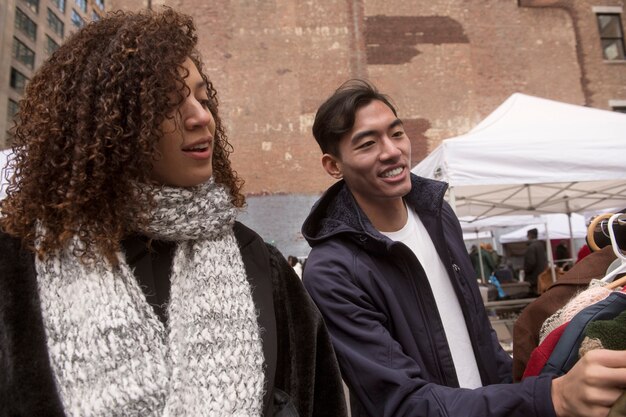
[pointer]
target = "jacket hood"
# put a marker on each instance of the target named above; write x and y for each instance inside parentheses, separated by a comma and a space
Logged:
(337, 212)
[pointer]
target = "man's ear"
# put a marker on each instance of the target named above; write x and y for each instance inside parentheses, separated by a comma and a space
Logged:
(332, 165)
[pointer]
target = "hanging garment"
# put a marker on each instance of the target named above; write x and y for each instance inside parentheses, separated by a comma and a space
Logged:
(527, 326)
(565, 354)
(596, 292)
(541, 354)
(544, 281)
(607, 334)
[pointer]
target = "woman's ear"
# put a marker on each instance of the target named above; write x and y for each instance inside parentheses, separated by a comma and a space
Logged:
(332, 165)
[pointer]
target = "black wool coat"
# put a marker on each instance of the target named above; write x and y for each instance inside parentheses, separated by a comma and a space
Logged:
(301, 372)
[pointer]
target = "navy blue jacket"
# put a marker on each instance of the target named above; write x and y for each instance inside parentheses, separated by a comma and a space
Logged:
(385, 326)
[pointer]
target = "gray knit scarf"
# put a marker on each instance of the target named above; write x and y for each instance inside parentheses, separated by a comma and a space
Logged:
(112, 356)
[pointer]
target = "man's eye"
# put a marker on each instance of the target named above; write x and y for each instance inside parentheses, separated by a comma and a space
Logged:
(365, 144)
(399, 133)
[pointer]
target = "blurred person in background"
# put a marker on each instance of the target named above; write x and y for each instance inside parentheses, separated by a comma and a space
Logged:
(535, 260)
(295, 264)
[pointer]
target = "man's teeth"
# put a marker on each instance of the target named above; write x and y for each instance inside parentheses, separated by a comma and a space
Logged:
(393, 172)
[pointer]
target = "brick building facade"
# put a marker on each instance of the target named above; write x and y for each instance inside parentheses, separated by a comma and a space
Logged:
(31, 32)
(445, 64)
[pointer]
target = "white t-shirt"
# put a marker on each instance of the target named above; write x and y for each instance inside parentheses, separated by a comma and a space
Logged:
(416, 237)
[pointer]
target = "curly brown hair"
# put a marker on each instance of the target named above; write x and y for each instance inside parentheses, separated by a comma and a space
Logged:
(88, 128)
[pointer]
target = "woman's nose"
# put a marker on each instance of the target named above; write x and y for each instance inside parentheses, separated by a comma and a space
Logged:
(199, 116)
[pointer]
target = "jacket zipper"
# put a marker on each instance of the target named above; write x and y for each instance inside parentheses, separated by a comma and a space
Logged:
(474, 337)
(420, 305)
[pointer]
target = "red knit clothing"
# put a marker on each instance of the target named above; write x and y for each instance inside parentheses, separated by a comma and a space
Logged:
(541, 353)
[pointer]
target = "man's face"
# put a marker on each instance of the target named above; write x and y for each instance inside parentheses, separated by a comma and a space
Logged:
(186, 147)
(374, 157)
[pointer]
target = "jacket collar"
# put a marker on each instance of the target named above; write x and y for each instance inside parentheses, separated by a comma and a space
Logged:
(337, 212)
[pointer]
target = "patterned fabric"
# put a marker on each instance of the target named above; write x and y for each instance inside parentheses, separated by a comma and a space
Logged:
(596, 292)
(607, 334)
(528, 324)
(110, 353)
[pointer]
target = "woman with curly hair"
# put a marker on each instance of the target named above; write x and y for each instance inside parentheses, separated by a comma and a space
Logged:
(127, 288)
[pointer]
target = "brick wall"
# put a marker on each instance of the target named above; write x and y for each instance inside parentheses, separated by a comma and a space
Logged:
(446, 65)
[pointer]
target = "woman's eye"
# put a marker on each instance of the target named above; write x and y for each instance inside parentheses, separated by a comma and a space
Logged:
(206, 103)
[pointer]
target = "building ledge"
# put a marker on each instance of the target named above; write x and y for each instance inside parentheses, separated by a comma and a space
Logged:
(537, 3)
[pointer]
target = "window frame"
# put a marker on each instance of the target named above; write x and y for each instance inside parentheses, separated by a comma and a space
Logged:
(13, 78)
(24, 23)
(77, 19)
(51, 18)
(82, 4)
(20, 49)
(49, 40)
(613, 39)
(60, 4)
(32, 5)
(12, 104)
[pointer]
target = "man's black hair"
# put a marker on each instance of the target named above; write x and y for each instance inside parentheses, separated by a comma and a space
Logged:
(335, 117)
(532, 233)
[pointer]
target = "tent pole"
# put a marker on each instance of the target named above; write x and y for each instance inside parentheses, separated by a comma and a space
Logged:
(550, 255)
(571, 233)
(480, 262)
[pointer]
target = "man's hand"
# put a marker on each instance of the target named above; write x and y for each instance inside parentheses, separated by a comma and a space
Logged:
(591, 387)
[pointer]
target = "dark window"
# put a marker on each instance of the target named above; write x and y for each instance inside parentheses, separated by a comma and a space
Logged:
(18, 80)
(12, 109)
(77, 20)
(23, 53)
(82, 4)
(611, 35)
(55, 23)
(33, 5)
(100, 4)
(60, 5)
(619, 109)
(51, 45)
(25, 24)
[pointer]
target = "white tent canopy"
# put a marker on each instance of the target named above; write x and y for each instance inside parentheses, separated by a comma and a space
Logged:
(558, 228)
(485, 235)
(471, 224)
(483, 229)
(534, 156)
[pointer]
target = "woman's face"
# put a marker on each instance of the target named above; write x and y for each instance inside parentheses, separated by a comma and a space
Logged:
(186, 147)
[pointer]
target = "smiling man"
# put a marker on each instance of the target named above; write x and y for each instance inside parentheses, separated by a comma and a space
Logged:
(390, 273)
